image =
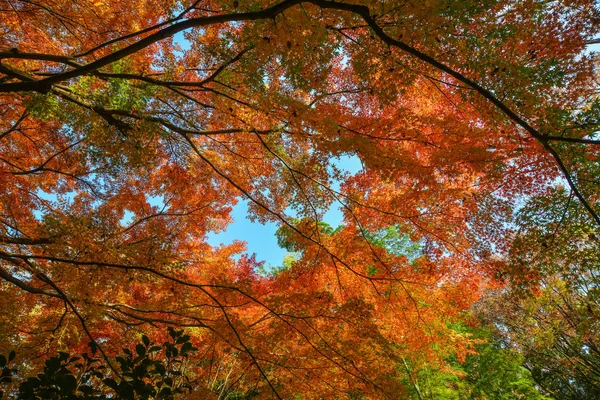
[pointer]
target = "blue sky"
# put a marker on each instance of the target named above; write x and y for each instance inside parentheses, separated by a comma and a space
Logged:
(260, 238)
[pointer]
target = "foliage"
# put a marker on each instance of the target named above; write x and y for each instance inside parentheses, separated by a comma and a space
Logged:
(130, 130)
(548, 309)
(489, 372)
(152, 372)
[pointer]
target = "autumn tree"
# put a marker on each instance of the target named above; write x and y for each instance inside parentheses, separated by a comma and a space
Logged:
(129, 130)
(548, 309)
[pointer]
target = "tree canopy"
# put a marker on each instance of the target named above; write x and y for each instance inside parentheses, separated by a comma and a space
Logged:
(129, 130)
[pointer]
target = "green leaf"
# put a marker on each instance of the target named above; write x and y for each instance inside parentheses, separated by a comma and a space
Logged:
(183, 339)
(187, 346)
(172, 332)
(93, 347)
(140, 350)
(154, 349)
(161, 369)
(52, 365)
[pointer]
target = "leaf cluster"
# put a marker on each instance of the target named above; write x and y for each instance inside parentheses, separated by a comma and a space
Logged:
(151, 371)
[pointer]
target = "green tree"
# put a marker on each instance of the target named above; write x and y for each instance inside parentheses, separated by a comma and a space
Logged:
(490, 371)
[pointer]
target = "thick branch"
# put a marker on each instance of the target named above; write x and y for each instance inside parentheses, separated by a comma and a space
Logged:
(364, 13)
(44, 85)
(26, 287)
(25, 241)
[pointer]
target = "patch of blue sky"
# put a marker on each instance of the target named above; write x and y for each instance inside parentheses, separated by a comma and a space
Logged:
(350, 164)
(154, 201)
(127, 218)
(260, 238)
(51, 198)
(180, 39)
